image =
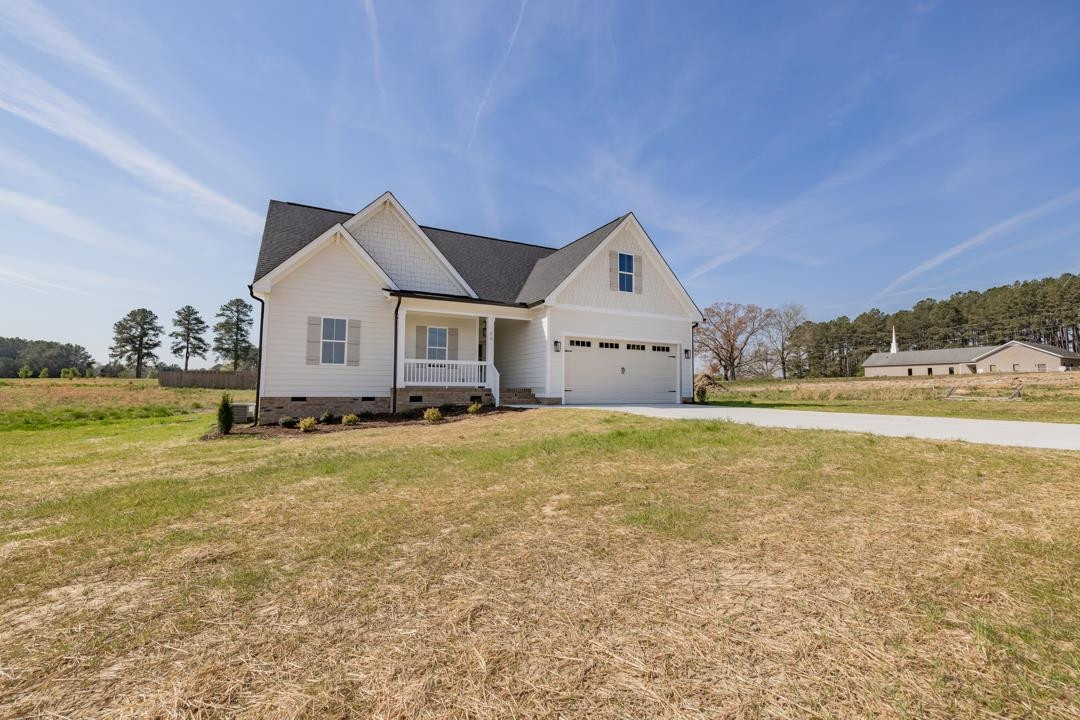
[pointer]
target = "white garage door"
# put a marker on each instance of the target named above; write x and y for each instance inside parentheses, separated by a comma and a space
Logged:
(614, 371)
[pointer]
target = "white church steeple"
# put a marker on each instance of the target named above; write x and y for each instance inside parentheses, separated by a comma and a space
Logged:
(894, 348)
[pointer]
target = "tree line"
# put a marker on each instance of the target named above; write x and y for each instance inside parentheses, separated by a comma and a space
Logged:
(747, 340)
(137, 339)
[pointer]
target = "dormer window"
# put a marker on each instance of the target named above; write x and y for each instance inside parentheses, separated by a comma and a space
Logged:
(626, 272)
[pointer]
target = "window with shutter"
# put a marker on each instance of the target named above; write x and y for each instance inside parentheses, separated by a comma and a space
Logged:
(334, 335)
(436, 343)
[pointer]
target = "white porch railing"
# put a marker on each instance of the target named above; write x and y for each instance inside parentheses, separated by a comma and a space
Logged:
(494, 385)
(446, 372)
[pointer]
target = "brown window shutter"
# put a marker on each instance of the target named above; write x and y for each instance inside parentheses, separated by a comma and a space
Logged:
(451, 343)
(637, 274)
(421, 342)
(314, 339)
(352, 346)
(613, 270)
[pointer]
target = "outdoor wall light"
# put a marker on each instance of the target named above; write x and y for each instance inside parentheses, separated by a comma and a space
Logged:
(686, 353)
(558, 346)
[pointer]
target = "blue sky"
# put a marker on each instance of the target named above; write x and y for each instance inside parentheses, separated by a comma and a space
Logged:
(839, 155)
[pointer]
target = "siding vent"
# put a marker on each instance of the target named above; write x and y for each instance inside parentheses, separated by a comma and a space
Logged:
(416, 398)
(474, 398)
(368, 399)
(298, 399)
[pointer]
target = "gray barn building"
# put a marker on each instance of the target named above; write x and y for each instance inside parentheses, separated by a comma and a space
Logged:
(1013, 356)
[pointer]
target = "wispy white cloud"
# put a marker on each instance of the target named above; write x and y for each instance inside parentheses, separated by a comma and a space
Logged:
(36, 284)
(27, 96)
(36, 26)
(993, 232)
(45, 276)
(376, 44)
(63, 222)
(495, 75)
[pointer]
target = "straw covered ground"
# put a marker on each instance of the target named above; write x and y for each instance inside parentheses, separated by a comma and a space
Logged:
(1045, 397)
(537, 564)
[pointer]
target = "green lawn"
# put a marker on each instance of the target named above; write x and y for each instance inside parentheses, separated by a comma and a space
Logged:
(543, 563)
(35, 403)
(1047, 397)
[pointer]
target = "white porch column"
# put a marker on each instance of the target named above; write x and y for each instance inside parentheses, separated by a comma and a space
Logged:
(401, 347)
(489, 346)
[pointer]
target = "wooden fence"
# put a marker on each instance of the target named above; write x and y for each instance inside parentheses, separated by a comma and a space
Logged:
(243, 380)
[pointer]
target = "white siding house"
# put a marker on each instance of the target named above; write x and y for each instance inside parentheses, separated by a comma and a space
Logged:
(369, 311)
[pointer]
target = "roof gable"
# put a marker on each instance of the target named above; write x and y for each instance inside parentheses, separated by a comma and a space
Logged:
(1040, 347)
(398, 244)
(289, 227)
(335, 235)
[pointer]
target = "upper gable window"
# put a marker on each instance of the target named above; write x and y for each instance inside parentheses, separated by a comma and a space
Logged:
(626, 272)
(333, 340)
(436, 343)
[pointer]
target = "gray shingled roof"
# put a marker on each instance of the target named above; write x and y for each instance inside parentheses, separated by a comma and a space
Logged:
(553, 269)
(946, 356)
(499, 270)
(495, 269)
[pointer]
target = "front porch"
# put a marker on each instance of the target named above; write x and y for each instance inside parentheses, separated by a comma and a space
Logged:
(447, 345)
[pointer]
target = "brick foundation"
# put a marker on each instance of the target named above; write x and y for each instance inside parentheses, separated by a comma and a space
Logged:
(549, 401)
(272, 408)
(436, 396)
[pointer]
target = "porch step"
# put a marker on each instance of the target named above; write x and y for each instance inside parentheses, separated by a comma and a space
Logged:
(517, 396)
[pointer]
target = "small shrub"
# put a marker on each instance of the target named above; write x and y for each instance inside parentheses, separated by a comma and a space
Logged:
(474, 408)
(225, 414)
(326, 418)
(287, 421)
(44, 373)
(350, 419)
(700, 394)
(433, 415)
(308, 424)
(196, 405)
(25, 372)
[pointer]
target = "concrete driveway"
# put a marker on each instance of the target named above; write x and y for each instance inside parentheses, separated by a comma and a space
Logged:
(1054, 436)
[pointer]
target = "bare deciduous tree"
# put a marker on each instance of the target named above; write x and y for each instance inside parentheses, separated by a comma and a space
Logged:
(778, 332)
(728, 331)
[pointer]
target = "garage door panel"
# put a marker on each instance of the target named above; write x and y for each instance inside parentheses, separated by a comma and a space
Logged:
(606, 371)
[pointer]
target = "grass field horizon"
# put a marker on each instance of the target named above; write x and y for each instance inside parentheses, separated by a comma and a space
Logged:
(1045, 397)
(545, 563)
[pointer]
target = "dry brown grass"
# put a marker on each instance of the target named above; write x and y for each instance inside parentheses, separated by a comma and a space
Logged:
(543, 564)
(1050, 397)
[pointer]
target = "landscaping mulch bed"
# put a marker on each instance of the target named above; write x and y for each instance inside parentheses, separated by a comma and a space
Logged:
(452, 414)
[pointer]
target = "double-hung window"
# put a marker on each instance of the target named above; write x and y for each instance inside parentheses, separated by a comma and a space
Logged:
(626, 272)
(436, 343)
(333, 340)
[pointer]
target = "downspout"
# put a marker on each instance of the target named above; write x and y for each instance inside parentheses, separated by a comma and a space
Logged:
(262, 349)
(693, 375)
(393, 390)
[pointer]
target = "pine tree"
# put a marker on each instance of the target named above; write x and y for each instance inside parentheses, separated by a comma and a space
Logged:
(135, 338)
(231, 332)
(188, 336)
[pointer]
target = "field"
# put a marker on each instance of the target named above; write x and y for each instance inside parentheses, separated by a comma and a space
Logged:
(535, 564)
(1046, 397)
(39, 403)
